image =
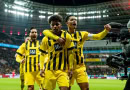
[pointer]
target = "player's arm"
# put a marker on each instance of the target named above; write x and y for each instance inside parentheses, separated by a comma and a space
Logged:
(43, 48)
(19, 53)
(99, 36)
(49, 34)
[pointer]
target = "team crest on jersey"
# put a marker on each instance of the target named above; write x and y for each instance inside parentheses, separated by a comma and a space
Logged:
(57, 47)
(32, 52)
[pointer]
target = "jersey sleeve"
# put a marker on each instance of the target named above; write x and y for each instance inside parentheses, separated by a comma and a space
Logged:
(20, 53)
(98, 36)
(43, 49)
(49, 34)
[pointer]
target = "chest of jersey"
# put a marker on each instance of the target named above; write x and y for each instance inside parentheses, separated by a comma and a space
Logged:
(32, 48)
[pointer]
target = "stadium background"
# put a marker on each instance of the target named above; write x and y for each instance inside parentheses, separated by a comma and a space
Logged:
(17, 16)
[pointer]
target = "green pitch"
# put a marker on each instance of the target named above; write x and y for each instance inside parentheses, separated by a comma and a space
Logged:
(95, 84)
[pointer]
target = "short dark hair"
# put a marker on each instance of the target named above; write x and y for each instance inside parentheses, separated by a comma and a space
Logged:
(55, 18)
(67, 18)
(31, 29)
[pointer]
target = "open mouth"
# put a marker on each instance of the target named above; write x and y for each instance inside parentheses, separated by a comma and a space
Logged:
(74, 24)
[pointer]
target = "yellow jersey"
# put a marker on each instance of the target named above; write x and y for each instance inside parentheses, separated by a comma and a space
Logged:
(79, 37)
(57, 54)
(32, 55)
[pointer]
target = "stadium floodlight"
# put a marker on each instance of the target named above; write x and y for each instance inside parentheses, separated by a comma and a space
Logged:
(25, 14)
(41, 16)
(6, 5)
(42, 12)
(19, 2)
(31, 15)
(50, 12)
(20, 8)
(75, 13)
(56, 13)
(81, 17)
(81, 13)
(105, 15)
(104, 11)
(93, 12)
(49, 17)
(20, 13)
(69, 13)
(16, 12)
(6, 10)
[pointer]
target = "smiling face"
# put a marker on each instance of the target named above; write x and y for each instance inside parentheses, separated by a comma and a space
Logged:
(72, 22)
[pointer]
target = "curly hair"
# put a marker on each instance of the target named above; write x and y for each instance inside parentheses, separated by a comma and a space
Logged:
(55, 18)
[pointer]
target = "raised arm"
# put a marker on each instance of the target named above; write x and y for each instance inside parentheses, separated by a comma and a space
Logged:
(99, 36)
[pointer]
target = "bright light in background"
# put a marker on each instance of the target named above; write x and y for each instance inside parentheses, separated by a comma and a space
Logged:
(50, 12)
(42, 12)
(18, 13)
(41, 16)
(40, 33)
(25, 33)
(93, 12)
(20, 8)
(71, 13)
(56, 13)
(11, 32)
(6, 10)
(49, 17)
(82, 17)
(3, 31)
(31, 15)
(18, 33)
(82, 13)
(105, 16)
(19, 2)
(6, 5)
(90, 17)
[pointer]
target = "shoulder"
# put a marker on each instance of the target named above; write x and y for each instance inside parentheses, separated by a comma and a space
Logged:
(23, 45)
(45, 39)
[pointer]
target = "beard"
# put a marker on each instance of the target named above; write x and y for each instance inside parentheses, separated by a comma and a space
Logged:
(34, 37)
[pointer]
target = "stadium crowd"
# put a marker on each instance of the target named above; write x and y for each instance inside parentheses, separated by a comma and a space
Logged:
(7, 61)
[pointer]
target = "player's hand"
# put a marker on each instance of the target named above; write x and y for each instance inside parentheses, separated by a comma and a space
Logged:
(61, 41)
(42, 73)
(107, 27)
(23, 61)
(70, 73)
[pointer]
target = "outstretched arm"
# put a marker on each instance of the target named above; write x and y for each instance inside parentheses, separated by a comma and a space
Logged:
(98, 36)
